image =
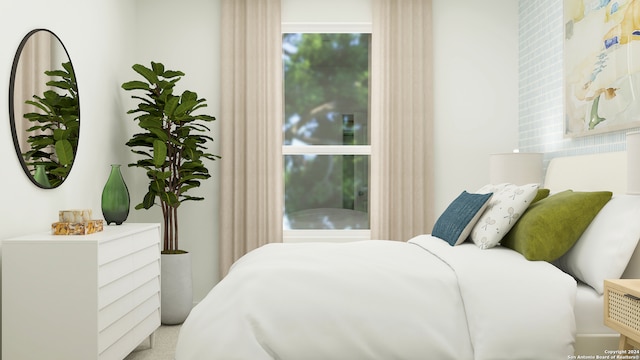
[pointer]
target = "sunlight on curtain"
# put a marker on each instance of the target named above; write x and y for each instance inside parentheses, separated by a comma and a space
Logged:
(402, 119)
(251, 126)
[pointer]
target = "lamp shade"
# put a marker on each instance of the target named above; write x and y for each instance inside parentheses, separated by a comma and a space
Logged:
(633, 162)
(515, 168)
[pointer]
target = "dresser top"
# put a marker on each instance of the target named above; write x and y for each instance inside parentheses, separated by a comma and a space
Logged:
(110, 232)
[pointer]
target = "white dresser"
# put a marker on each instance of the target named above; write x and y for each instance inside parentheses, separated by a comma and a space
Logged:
(80, 297)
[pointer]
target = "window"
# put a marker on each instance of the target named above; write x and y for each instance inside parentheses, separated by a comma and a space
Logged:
(326, 135)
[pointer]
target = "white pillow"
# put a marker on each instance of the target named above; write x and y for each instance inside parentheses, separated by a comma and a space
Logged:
(605, 248)
(506, 206)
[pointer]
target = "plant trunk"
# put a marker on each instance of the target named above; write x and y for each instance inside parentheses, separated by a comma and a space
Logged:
(165, 216)
(175, 228)
(170, 215)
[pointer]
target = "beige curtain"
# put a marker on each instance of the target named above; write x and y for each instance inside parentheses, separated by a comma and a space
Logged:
(37, 56)
(251, 127)
(402, 119)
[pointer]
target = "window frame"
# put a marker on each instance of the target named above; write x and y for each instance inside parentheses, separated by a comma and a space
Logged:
(326, 235)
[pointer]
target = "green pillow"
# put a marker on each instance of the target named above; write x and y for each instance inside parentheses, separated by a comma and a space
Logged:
(551, 226)
(542, 193)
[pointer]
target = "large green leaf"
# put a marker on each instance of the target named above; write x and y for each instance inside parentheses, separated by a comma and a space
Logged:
(205, 118)
(150, 121)
(159, 152)
(172, 74)
(172, 104)
(149, 200)
(189, 96)
(156, 185)
(170, 199)
(158, 68)
(160, 175)
(185, 106)
(59, 134)
(160, 134)
(67, 66)
(192, 198)
(147, 73)
(39, 104)
(64, 151)
(60, 73)
(136, 85)
(59, 84)
(166, 86)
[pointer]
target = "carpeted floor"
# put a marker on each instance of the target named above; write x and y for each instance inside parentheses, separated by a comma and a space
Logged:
(163, 348)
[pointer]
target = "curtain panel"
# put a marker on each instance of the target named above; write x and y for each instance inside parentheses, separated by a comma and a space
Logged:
(401, 203)
(402, 119)
(37, 57)
(251, 127)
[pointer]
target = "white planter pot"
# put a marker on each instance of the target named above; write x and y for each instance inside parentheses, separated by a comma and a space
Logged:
(176, 288)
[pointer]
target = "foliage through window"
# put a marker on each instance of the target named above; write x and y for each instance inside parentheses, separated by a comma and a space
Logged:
(326, 130)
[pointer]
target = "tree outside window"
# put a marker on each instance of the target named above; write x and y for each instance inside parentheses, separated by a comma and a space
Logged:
(326, 88)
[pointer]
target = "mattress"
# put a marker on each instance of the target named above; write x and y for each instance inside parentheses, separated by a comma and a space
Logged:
(588, 310)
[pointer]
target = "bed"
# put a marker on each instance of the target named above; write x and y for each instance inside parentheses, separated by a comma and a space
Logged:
(432, 296)
(588, 173)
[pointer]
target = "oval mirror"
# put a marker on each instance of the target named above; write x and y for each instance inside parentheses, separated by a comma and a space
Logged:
(44, 108)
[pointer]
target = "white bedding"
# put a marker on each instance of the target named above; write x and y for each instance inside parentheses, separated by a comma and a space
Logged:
(384, 300)
(588, 310)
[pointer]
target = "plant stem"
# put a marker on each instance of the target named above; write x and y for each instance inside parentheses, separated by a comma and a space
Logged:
(175, 225)
(165, 216)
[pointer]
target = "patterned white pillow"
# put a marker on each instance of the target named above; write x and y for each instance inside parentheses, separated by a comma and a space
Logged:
(508, 203)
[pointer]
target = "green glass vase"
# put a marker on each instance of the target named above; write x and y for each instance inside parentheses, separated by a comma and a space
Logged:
(41, 177)
(115, 198)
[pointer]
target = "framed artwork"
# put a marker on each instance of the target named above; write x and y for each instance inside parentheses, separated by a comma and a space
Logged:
(601, 66)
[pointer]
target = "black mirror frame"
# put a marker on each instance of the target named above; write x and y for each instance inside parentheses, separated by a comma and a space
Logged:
(12, 120)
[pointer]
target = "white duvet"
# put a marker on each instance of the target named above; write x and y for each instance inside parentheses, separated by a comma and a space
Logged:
(420, 299)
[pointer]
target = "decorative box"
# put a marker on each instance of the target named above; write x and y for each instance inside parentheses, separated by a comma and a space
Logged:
(77, 228)
(75, 216)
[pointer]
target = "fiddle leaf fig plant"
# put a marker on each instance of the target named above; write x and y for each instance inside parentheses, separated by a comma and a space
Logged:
(172, 144)
(55, 126)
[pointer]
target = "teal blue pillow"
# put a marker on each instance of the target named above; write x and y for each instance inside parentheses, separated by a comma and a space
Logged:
(456, 222)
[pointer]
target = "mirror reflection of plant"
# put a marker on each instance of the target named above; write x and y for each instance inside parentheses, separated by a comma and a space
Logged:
(54, 130)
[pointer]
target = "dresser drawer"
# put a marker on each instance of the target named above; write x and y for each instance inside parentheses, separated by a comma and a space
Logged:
(103, 287)
(123, 305)
(118, 329)
(127, 264)
(622, 307)
(122, 347)
(127, 284)
(118, 247)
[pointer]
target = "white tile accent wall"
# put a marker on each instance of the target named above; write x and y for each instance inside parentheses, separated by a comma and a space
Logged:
(541, 107)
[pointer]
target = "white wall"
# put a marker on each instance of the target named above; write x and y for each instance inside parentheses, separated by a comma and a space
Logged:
(97, 45)
(336, 11)
(184, 36)
(476, 81)
(96, 35)
(476, 91)
(475, 96)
